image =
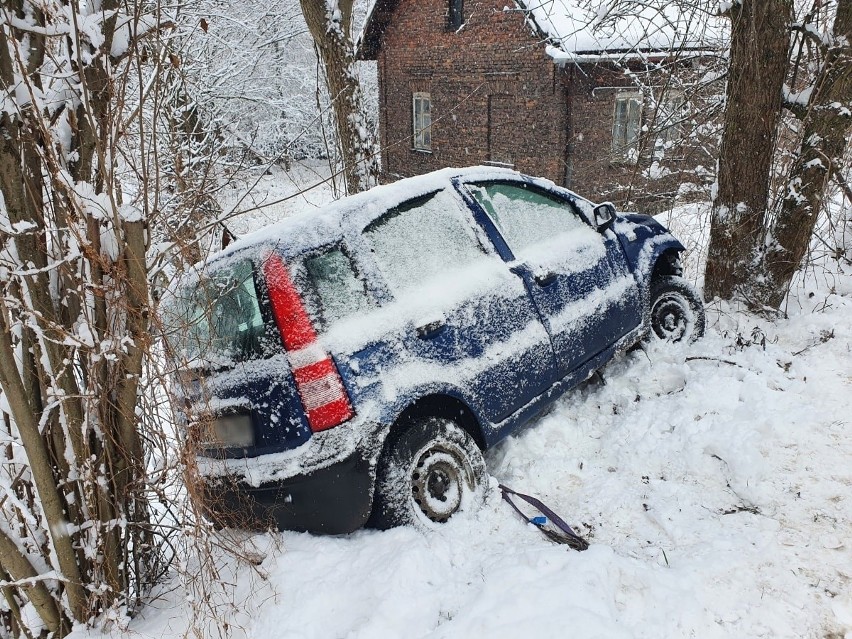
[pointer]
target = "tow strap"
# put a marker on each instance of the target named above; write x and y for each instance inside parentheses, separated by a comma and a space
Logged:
(559, 532)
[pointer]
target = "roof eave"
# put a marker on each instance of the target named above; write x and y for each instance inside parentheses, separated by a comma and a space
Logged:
(369, 42)
(560, 56)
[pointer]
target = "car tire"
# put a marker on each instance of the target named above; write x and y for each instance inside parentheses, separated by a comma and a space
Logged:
(676, 310)
(427, 473)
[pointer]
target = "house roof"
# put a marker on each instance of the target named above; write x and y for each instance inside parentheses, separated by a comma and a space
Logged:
(577, 29)
(378, 16)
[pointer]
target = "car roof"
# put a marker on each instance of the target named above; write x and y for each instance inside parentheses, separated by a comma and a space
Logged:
(312, 227)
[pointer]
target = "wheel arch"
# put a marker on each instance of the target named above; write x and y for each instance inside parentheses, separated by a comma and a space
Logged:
(667, 262)
(439, 405)
(663, 261)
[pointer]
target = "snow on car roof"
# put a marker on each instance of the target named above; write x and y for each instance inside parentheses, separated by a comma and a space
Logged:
(310, 226)
(316, 227)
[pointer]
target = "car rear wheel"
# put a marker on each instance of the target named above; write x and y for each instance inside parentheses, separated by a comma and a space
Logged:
(428, 473)
(677, 311)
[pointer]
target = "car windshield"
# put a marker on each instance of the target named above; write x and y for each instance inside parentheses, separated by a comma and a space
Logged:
(216, 321)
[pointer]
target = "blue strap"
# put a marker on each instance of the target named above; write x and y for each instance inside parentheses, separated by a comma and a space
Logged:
(568, 536)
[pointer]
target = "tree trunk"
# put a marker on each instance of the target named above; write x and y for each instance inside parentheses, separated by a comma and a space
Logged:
(330, 23)
(825, 132)
(193, 149)
(760, 39)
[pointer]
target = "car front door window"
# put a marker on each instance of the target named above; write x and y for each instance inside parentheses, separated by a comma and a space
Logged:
(526, 217)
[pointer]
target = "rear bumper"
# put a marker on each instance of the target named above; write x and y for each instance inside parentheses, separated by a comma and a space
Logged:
(331, 500)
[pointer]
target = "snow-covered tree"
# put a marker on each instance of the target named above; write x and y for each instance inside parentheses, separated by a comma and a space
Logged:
(824, 111)
(330, 24)
(76, 210)
(756, 74)
(785, 129)
(756, 245)
(250, 71)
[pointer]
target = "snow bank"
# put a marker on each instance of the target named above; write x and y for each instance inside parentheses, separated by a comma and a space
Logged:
(713, 481)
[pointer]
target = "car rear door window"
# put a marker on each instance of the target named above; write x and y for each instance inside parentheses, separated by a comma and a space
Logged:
(525, 216)
(336, 290)
(422, 239)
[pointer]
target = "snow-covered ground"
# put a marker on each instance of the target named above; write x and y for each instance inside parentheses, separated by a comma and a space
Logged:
(254, 202)
(714, 482)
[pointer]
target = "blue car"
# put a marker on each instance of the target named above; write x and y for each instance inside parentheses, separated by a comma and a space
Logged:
(349, 365)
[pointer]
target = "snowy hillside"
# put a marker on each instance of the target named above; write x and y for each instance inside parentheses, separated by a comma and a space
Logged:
(713, 481)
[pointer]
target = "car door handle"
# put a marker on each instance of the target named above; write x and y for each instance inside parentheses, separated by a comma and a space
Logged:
(545, 279)
(427, 331)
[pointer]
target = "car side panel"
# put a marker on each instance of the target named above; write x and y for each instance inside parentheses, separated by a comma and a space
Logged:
(586, 305)
(626, 313)
(541, 403)
(588, 309)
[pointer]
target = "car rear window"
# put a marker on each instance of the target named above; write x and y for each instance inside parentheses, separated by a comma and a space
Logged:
(217, 321)
(526, 216)
(337, 291)
(421, 239)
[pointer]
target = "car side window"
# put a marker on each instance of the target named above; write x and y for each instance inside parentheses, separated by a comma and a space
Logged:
(421, 239)
(526, 216)
(336, 291)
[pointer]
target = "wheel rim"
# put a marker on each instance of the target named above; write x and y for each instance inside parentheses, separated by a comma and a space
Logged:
(671, 318)
(440, 477)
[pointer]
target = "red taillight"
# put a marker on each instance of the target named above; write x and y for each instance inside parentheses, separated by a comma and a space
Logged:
(317, 379)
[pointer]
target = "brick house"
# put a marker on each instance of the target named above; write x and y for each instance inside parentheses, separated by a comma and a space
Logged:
(608, 110)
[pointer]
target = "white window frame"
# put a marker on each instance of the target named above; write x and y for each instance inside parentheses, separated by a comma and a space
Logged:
(421, 120)
(625, 147)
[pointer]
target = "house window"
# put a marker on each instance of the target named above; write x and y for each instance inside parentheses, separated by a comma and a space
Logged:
(626, 123)
(456, 13)
(669, 118)
(422, 121)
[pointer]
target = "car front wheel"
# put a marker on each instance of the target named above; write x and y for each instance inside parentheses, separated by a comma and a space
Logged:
(677, 312)
(428, 473)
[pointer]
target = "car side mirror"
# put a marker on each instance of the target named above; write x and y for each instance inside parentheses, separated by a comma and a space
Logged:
(604, 215)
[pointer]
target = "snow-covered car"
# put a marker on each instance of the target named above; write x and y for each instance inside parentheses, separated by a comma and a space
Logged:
(350, 364)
